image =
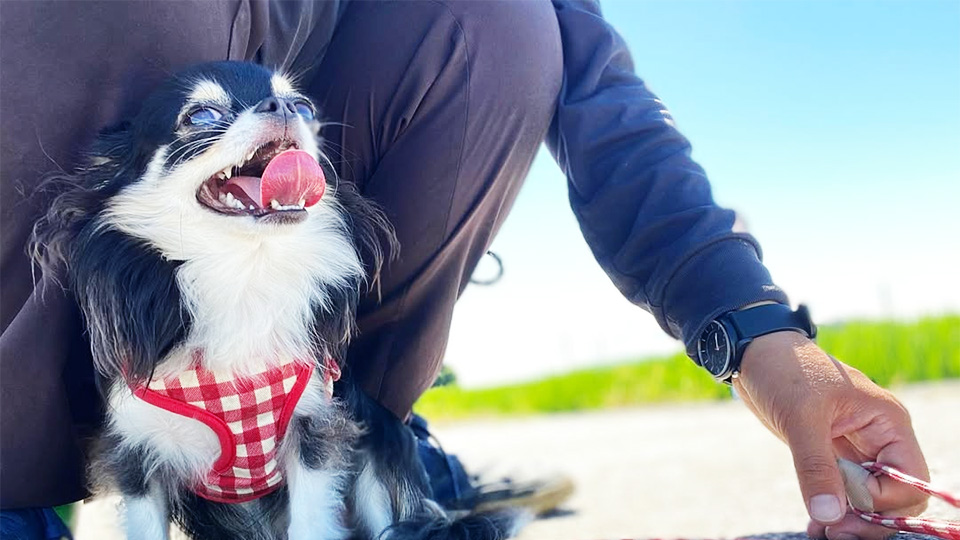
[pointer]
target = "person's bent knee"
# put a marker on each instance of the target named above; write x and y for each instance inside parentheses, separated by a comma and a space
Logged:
(514, 49)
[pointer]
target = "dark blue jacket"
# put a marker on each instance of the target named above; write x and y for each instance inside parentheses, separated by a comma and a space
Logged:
(643, 204)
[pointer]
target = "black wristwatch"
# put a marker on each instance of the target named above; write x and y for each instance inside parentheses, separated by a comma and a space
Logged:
(721, 344)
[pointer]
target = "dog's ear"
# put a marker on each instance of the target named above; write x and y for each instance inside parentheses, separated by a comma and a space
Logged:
(375, 241)
(112, 160)
(109, 273)
(129, 297)
(373, 235)
(73, 200)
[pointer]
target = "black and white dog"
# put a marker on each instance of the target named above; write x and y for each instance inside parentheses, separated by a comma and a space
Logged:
(215, 257)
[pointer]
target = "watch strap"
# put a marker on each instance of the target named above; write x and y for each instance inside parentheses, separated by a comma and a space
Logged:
(769, 318)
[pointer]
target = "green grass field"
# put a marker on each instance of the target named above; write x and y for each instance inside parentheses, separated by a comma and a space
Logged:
(889, 352)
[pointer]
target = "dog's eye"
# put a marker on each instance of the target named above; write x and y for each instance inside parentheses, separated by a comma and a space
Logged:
(304, 109)
(203, 116)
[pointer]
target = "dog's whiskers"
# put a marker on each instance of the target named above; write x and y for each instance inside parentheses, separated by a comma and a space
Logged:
(222, 128)
(187, 149)
(215, 132)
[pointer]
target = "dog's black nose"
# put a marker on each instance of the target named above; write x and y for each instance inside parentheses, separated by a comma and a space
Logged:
(275, 105)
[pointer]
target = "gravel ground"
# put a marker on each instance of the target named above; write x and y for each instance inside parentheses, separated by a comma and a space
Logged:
(689, 471)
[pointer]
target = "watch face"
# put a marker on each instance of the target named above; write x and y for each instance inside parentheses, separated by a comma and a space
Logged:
(714, 348)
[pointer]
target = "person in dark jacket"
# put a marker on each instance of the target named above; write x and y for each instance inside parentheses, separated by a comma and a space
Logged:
(448, 103)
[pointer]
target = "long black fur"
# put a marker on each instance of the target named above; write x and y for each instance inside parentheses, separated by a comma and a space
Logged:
(127, 292)
(135, 315)
(392, 450)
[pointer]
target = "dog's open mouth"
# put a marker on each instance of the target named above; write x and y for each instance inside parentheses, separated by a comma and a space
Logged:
(277, 181)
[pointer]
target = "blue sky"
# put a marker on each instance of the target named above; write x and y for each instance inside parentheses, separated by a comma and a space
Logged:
(833, 127)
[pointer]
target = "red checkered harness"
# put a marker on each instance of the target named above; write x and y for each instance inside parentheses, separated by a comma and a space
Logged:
(249, 415)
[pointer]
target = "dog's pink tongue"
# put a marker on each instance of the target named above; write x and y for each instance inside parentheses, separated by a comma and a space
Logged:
(290, 177)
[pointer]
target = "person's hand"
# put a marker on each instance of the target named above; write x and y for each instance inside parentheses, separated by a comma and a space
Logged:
(824, 409)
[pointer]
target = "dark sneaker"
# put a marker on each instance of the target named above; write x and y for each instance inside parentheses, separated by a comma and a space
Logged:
(456, 491)
(539, 496)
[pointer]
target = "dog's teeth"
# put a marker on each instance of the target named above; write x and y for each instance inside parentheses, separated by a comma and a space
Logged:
(251, 207)
(302, 203)
(234, 202)
(228, 172)
(275, 205)
(249, 157)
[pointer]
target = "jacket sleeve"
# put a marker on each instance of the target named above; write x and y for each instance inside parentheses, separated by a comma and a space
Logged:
(643, 204)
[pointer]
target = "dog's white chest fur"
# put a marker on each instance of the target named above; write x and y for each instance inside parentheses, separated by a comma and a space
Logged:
(252, 290)
(184, 444)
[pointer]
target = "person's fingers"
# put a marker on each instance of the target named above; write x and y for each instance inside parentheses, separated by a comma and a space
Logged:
(816, 466)
(890, 497)
(891, 441)
(853, 527)
(882, 493)
(816, 530)
(850, 528)
(845, 449)
(894, 497)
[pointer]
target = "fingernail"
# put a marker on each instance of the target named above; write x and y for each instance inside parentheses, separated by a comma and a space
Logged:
(825, 508)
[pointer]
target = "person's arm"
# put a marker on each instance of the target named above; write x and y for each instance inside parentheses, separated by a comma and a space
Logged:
(646, 211)
(643, 204)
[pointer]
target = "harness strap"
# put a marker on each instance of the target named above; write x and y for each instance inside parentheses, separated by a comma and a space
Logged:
(248, 414)
(331, 374)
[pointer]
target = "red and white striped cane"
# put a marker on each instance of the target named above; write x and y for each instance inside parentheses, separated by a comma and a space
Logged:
(949, 530)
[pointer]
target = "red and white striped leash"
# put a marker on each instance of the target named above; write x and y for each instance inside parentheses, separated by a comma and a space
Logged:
(949, 530)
